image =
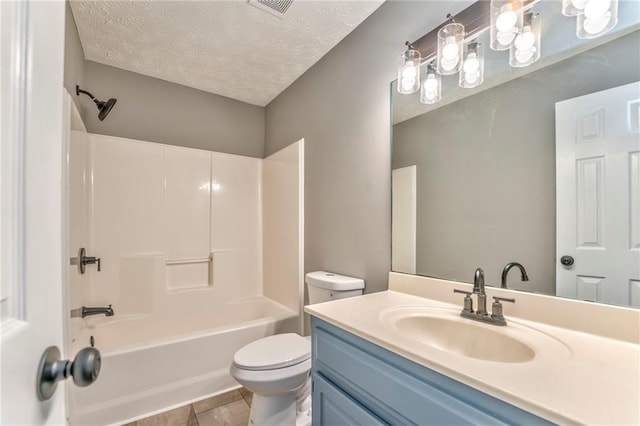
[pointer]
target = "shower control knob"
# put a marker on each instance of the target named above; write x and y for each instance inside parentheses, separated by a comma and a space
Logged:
(567, 260)
(84, 369)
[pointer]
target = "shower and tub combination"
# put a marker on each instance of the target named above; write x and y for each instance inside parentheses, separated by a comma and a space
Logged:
(200, 254)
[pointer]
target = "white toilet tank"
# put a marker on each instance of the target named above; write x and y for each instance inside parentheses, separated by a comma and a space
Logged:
(325, 286)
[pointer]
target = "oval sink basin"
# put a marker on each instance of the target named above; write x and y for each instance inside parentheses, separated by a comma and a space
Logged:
(465, 338)
(445, 330)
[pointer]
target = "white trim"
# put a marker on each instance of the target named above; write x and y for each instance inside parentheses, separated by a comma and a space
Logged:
(301, 233)
(13, 75)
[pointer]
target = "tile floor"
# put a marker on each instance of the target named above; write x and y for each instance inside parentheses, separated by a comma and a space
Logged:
(227, 409)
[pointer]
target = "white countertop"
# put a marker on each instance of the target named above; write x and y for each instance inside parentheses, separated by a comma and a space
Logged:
(595, 380)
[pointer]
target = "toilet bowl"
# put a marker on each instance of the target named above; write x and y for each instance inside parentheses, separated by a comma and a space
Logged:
(277, 368)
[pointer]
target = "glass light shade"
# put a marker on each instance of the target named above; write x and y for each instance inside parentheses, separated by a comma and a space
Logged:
(596, 18)
(431, 90)
(506, 18)
(472, 70)
(409, 72)
(572, 7)
(450, 38)
(525, 49)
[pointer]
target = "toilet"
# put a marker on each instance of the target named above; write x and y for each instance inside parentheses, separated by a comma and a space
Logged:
(277, 368)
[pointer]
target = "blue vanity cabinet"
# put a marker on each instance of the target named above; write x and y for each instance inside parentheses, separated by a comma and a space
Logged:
(356, 382)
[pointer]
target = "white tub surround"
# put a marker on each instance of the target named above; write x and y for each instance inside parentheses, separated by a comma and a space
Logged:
(585, 375)
(179, 232)
(283, 226)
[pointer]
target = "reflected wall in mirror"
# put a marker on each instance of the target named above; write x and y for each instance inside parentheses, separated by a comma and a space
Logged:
(538, 167)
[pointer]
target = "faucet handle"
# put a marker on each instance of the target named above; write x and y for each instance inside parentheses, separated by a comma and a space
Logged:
(496, 308)
(468, 302)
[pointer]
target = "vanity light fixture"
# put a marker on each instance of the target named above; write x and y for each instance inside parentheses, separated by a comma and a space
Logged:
(525, 49)
(596, 18)
(450, 39)
(506, 18)
(472, 71)
(431, 90)
(512, 26)
(409, 71)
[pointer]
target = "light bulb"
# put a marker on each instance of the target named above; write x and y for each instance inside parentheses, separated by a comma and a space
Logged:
(407, 83)
(450, 64)
(430, 91)
(505, 37)
(597, 25)
(471, 77)
(595, 9)
(507, 19)
(431, 84)
(524, 56)
(579, 4)
(526, 40)
(472, 64)
(409, 72)
(450, 50)
(525, 49)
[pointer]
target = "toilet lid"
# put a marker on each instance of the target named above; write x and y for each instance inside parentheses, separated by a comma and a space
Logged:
(269, 353)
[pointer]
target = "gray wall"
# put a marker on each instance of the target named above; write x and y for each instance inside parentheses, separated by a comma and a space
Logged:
(486, 169)
(73, 59)
(341, 107)
(158, 111)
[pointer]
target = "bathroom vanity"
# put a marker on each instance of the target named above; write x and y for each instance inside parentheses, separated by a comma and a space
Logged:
(357, 382)
(396, 358)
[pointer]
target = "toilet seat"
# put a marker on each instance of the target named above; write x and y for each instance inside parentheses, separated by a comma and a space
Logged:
(273, 352)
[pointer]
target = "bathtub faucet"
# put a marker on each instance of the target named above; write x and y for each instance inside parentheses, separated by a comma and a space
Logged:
(86, 311)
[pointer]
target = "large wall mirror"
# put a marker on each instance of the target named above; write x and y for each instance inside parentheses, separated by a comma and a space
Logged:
(539, 166)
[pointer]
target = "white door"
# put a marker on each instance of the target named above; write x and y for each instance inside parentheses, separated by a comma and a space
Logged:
(403, 219)
(31, 171)
(598, 196)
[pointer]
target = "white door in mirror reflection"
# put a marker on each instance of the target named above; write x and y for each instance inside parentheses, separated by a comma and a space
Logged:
(598, 196)
(403, 223)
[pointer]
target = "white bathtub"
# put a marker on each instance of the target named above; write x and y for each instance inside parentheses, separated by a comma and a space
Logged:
(150, 364)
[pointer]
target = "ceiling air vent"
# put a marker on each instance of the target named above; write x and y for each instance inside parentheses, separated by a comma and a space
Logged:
(275, 7)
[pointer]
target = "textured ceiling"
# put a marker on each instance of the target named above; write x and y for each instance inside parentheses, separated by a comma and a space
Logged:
(229, 48)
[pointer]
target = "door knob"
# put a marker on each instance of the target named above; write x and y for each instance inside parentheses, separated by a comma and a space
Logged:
(84, 369)
(567, 260)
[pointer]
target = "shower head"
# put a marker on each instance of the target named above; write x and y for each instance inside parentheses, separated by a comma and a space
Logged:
(104, 108)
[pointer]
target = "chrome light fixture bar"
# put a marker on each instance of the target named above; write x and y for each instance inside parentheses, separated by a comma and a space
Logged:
(475, 20)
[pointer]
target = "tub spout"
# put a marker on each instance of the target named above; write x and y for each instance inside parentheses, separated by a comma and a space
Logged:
(86, 311)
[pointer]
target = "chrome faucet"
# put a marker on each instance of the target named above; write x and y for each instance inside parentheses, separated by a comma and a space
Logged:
(481, 314)
(86, 311)
(478, 289)
(507, 268)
